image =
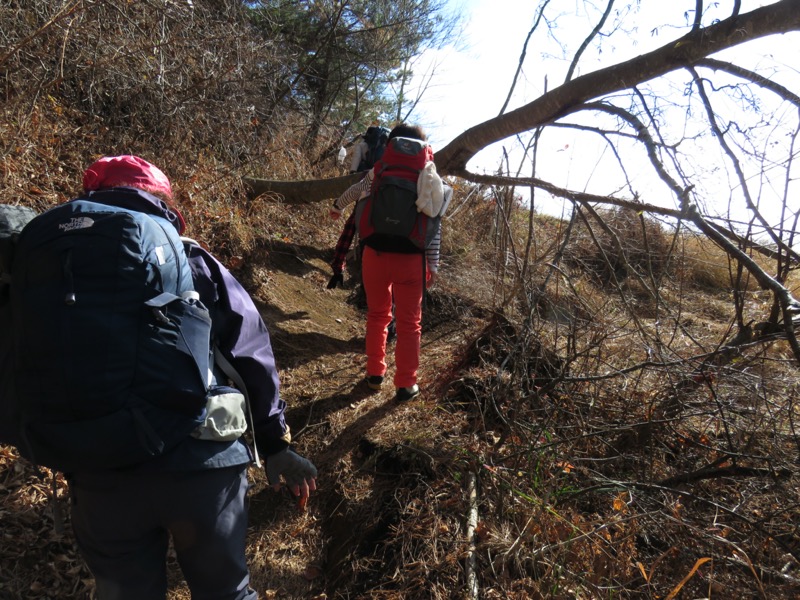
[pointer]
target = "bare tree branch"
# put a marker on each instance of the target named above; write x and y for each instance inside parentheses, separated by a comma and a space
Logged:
(720, 137)
(780, 17)
(753, 77)
(636, 205)
(523, 54)
(698, 15)
(732, 471)
(789, 305)
(588, 40)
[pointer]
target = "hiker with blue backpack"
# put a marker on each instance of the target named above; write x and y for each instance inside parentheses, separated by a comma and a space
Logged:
(400, 203)
(128, 340)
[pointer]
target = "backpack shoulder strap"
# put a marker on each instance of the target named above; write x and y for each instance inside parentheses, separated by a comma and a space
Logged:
(225, 365)
(234, 376)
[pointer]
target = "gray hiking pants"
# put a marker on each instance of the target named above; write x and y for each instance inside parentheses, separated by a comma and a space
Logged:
(123, 522)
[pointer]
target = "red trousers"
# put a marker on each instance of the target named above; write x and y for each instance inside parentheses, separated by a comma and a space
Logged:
(388, 274)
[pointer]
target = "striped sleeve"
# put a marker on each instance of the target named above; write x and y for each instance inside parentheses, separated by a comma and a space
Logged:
(355, 191)
(432, 251)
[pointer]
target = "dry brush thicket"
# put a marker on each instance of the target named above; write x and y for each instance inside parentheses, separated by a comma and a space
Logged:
(191, 86)
(630, 430)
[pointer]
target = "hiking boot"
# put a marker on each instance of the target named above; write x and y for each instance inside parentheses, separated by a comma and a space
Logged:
(407, 393)
(374, 382)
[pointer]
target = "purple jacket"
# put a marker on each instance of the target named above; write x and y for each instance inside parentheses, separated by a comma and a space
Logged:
(242, 336)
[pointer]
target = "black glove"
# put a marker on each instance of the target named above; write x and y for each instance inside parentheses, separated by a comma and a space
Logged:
(294, 468)
(337, 279)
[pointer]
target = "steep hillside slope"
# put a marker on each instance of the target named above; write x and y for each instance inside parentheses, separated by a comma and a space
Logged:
(586, 429)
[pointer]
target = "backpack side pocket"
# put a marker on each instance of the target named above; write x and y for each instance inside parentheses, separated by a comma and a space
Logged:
(225, 415)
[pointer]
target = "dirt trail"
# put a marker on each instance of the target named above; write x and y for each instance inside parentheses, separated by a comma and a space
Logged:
(357, 438)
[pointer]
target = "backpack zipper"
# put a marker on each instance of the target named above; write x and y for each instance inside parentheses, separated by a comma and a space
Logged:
(69, 298)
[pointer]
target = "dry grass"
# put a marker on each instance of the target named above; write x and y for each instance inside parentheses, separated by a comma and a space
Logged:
(705, 266)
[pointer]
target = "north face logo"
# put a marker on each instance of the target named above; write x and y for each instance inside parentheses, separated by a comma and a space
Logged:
(76, 223)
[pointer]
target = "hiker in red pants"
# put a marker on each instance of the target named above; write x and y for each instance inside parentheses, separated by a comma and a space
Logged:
(398, 223)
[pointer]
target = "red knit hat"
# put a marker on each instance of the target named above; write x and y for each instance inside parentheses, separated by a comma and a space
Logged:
(126, 170)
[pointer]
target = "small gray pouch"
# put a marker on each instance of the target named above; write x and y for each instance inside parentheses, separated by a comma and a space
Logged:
(225, 415)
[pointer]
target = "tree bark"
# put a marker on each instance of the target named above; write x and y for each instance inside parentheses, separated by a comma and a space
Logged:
(302, 192)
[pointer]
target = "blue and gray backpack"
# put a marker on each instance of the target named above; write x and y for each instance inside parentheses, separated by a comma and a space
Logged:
(106, 357)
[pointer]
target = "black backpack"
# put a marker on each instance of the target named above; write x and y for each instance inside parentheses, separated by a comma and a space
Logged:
(110, 347)
(12, 220)
(376, 139)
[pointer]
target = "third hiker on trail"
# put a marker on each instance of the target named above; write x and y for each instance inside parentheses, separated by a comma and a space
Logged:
(370, 149)
(398, 225)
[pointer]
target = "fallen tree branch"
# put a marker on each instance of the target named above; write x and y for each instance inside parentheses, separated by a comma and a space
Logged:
(788, 304)
(732, 471)
(301, 192)
(613, 485)
(697, 45)
(638, 206)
